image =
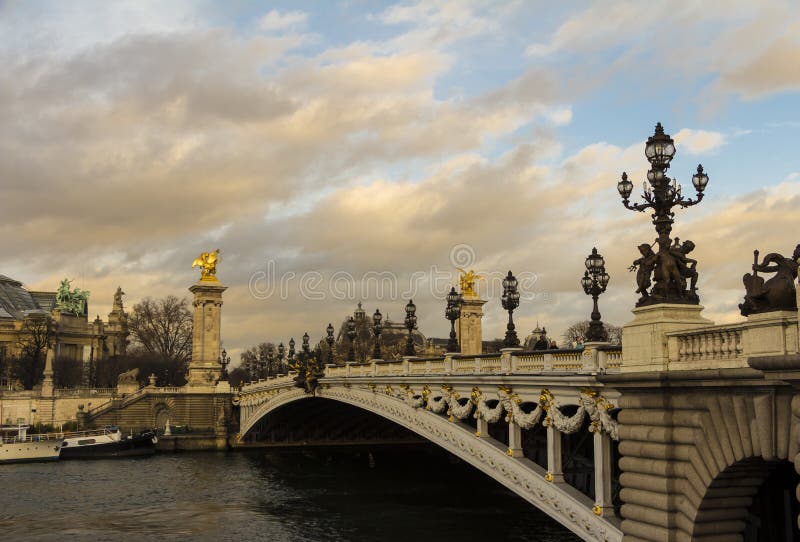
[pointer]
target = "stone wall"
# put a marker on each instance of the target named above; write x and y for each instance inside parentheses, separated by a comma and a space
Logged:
(20, 406)
(207, 412)
(696, 448)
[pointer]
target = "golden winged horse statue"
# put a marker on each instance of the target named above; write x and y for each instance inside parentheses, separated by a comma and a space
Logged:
(207, 262)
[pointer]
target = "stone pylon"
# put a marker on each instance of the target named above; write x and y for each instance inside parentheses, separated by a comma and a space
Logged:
(469, 328)
(47, 382)
(205, 368)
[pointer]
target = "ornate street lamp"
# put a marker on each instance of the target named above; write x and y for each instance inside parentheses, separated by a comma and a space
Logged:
(330, 339)
(291, 350)
(351, 336)
(376, 330)
(281, 356)
(594, 282)
(411, 325)
(453, 312)
(224, 360)
(510, 301)
(262, 362)
(270, 358)
(306, 348)
(661, 194)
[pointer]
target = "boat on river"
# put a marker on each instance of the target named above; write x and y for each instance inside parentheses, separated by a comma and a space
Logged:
(17, 445)
(107, 442)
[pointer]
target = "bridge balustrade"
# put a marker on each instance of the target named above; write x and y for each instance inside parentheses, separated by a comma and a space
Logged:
(510, 362)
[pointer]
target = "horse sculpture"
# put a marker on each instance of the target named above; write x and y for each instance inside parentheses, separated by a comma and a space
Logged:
(207, 262)
(778, 292)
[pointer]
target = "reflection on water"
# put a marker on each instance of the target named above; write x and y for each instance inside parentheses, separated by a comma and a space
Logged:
(280, 496)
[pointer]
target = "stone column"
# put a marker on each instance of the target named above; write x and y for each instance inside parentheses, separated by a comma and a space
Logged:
(602, 475)
(591, 356)
(644, 341)
(555, 472)
(468, 327)
(204, 368)
(46, 403)
(483, 428)
(47, 382)
(515, 440)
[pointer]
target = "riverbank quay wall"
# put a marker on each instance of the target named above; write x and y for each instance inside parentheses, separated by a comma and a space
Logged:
(200, 415)
(59, 406)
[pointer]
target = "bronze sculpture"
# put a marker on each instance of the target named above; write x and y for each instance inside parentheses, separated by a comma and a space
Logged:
(644, 268)
(663, 273)
(776, 293)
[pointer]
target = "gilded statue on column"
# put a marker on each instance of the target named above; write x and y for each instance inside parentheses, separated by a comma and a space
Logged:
(467, 282)
(207, 262)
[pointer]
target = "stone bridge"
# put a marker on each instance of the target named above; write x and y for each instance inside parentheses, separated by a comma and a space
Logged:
(691, 430)
(456, 402)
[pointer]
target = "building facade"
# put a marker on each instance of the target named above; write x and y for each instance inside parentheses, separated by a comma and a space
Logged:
(33, 320)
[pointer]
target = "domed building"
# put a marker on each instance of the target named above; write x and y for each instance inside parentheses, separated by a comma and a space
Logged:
(393, 338)
(538, 340)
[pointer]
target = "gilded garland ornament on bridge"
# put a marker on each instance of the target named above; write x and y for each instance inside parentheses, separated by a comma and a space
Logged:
(668, 269)
(71, 301)
(309, 368)
(547, 411)
(207, 262)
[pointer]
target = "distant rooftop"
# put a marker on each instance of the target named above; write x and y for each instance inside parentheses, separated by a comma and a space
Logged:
(16, 301)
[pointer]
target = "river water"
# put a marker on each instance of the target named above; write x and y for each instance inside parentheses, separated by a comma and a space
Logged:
(322, 495)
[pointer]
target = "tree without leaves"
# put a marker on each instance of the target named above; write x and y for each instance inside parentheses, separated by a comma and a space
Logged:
(163, 328)
(32, 342)
(253, 358)
(578, 330)
(67, 373)
(238, 376)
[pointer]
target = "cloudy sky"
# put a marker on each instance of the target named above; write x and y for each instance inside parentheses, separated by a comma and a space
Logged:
(327, 147)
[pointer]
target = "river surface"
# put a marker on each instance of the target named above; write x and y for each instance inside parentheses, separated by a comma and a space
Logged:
(342, 495)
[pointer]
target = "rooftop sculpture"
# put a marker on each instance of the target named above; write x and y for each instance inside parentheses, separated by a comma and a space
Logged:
(71, 301)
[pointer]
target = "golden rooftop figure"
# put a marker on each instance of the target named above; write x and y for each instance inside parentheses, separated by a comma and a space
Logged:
(467, 282)
(207, 262)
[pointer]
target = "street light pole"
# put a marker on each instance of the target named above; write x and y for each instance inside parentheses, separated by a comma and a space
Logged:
(670, 267)
(510, 301)
(270, 358)
(224, 360)
(453, 312)
(330, 340)
(594, 282)
(376, 329)
(411, 325)
(351, 336)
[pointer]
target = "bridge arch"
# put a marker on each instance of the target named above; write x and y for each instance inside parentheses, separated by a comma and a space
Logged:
(561, 502)
(695, 464)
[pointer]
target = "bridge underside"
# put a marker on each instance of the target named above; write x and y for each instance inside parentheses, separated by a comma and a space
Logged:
(323, 422)
(292, 415)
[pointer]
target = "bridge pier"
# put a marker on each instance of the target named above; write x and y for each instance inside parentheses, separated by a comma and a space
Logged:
(555, 469)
